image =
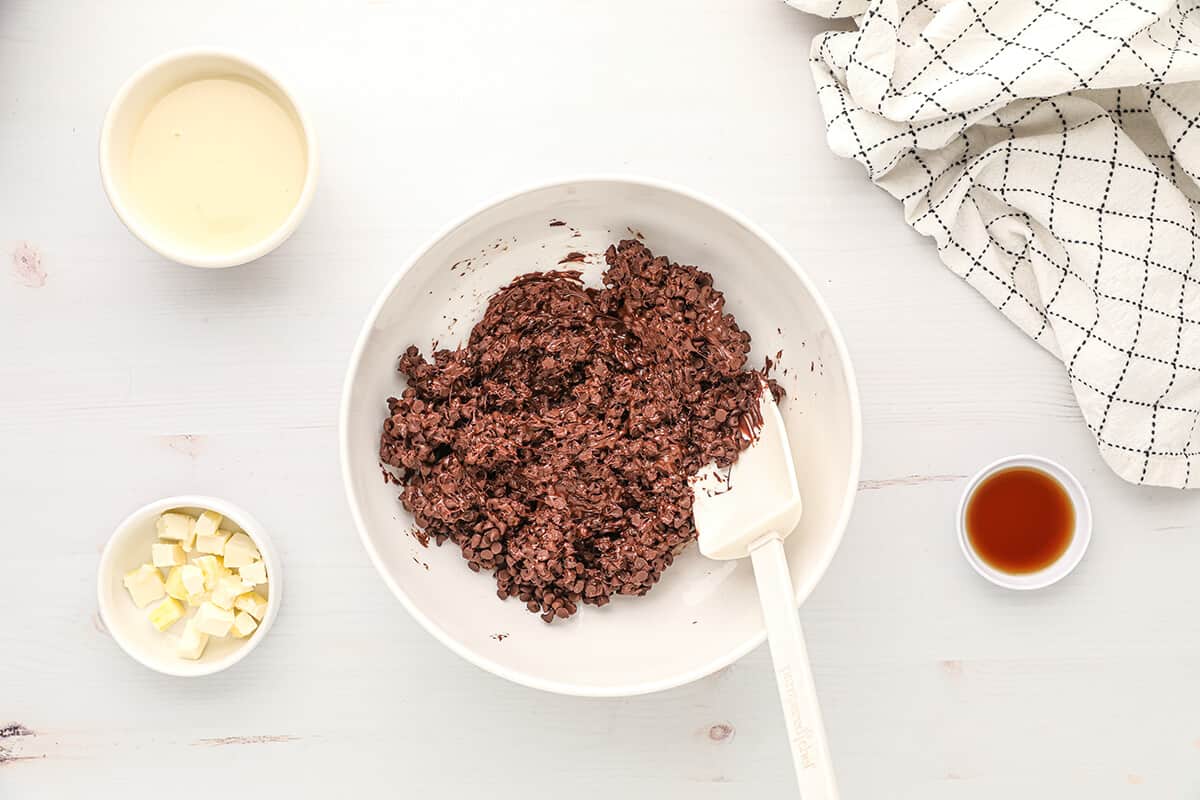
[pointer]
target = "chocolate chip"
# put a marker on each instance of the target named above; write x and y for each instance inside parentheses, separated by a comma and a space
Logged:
(555, 448)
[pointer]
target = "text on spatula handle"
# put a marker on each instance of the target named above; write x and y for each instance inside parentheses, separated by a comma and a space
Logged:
(800, 734)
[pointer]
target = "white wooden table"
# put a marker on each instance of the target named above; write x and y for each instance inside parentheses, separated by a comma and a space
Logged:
(124, 379)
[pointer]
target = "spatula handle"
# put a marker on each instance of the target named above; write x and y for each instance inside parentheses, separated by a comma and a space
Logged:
(806, 730)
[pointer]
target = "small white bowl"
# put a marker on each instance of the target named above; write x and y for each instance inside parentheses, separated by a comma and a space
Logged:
(129, 548)
(1080, 537)
(130, 106)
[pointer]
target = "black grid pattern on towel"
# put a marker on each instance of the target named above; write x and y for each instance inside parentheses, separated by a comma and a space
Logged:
(1053, 157)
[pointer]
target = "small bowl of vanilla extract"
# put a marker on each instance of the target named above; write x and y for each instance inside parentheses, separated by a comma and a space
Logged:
(1024, 522)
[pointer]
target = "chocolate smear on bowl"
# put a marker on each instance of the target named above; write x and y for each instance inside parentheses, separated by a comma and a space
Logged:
(555, 448)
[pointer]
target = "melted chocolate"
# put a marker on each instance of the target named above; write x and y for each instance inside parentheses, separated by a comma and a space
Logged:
(555, 448)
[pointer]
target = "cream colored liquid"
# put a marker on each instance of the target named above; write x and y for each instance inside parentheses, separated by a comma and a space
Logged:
(216, 166)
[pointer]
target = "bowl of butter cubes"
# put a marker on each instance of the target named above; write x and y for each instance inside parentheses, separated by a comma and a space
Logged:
(189, 585)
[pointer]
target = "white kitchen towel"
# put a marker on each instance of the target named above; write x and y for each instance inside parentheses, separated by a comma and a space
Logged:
(1052, 150)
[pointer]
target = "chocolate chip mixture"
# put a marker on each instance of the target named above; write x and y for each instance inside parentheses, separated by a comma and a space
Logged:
(555, 448)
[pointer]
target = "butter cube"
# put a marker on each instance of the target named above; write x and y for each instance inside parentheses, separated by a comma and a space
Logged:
(243, 625)
(212, 543)
(145, 585)
(192, 643)
(197, 600)
(174, 584)
(167, 554)
(192, 578)
(213, 620)
(166, 613)
(177, 528)
(253, 604)
(212, 568)
(229, 589)
(240, 551)
(255, 573)
(208, 523)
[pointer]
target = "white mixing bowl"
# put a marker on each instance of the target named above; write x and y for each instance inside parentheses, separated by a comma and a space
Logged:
(703, 614)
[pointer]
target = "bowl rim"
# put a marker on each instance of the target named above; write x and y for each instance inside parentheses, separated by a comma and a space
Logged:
(566, 687)
(106, 570)
(141, 231)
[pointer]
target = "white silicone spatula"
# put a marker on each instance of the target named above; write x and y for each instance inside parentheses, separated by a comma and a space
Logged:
(747, 512)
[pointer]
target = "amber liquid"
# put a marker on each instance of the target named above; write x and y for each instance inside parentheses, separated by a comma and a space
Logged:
(1020, 520)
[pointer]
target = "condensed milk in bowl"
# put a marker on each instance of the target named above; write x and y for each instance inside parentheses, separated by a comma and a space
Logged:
(207, 158)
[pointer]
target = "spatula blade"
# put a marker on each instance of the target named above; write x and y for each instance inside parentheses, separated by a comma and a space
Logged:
(758, 495)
